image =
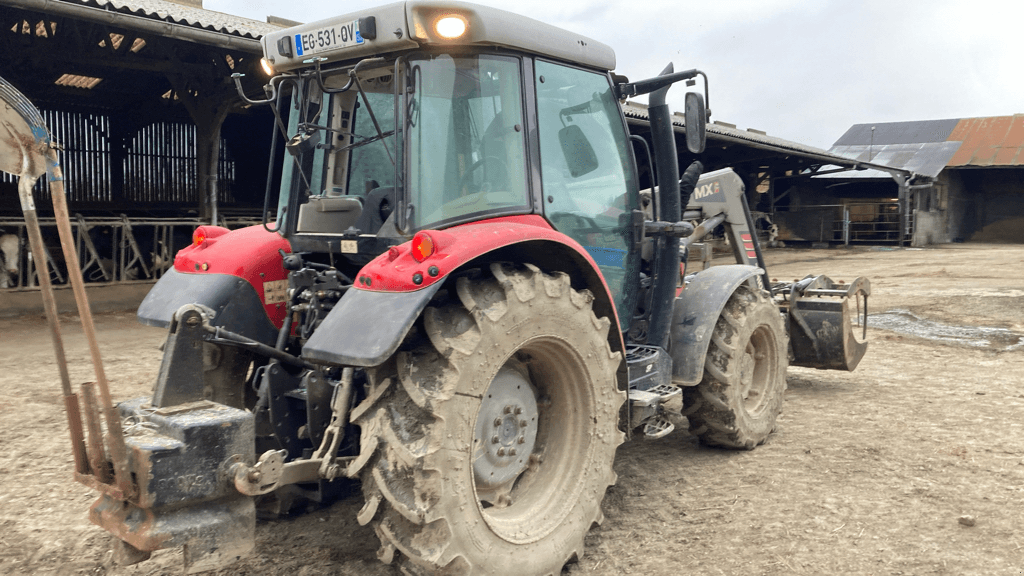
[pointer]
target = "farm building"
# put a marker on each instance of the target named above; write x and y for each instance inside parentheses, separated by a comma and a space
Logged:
(977, 165)
(154, 136)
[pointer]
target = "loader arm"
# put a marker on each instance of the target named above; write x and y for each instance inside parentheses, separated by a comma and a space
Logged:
(827, 320)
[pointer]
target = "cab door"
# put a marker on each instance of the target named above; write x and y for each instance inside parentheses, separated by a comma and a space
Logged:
(588, 173)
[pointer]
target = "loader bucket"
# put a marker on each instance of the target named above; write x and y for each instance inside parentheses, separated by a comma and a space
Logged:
(828, 323)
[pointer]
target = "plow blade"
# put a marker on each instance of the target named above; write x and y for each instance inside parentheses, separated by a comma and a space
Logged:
(828, 322)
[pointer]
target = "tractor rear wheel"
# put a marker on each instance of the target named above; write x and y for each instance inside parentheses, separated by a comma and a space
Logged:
(488, 447)
(739, 398)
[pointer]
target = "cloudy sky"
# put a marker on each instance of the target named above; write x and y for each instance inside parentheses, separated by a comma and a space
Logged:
(804, 70)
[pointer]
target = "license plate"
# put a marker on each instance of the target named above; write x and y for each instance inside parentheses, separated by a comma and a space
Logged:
(331, 38)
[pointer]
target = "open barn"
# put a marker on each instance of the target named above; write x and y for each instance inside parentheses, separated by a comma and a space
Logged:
(977, 167)
(153, 136)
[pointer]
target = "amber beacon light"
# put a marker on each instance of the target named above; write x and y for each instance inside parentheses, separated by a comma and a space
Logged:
(450, 26)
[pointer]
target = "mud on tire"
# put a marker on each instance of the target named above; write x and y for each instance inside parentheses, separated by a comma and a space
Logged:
(739, 398)
(492, 446)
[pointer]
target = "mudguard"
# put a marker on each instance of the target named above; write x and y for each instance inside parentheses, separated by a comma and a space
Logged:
(694, 316)
(373, 317)
(233, 300)
(365, 327)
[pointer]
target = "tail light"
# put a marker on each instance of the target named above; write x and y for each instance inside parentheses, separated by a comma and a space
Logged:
(204, 233)
(422, 246)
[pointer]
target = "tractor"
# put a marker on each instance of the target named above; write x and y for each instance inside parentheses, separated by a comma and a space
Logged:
(464, 294)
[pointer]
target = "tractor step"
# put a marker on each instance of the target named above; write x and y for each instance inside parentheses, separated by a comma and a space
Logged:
(650, 386)
(646, 409)
(658, 427)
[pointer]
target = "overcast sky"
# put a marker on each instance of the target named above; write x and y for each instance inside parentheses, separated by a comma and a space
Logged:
(804, 70)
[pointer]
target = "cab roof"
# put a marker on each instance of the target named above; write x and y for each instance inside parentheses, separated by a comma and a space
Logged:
(411, 25)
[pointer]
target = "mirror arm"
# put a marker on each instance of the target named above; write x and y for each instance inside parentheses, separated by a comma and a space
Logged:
(651, 84)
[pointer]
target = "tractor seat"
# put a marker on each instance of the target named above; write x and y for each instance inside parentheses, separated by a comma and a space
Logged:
(377, 207)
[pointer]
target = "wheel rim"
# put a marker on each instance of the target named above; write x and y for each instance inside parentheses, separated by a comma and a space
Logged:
(506, 434)
(756, 367)
(533, 497)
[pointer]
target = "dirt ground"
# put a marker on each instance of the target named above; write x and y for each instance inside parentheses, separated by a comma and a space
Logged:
(870, 472)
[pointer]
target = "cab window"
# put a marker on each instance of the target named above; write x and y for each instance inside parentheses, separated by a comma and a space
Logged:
(586, 169)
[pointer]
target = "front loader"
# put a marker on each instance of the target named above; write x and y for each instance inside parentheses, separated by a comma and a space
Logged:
(465, 301)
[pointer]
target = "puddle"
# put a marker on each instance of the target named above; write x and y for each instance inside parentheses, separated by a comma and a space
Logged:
(906, 322)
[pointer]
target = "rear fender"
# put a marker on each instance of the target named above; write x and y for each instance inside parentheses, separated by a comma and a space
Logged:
(372, 319)
(233, 302)
(695, 313)
(239, 274)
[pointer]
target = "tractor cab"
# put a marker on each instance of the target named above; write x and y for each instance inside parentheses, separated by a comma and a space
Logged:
(461, 116)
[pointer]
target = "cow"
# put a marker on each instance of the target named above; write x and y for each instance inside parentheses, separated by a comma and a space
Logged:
(10, 256)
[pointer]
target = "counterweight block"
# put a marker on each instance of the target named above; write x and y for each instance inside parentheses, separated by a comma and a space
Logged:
(178, 458)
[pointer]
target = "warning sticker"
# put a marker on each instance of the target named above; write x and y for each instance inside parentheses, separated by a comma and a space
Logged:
(275, 291)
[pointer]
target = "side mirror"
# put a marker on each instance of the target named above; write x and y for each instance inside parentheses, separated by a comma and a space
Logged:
(303, 143)
(696, 118)
(579, 154)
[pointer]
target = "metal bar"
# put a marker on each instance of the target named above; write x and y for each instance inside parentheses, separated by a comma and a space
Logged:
(757, 244)
(702, 230)
(219, 335)
(846, 225)
(115, 438)
(35, 237)
(97, 454)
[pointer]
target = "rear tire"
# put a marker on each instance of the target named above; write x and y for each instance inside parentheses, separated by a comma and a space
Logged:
(738, 401)
(489, 448)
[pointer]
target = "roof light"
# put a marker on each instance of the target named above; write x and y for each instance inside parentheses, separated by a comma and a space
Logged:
(268, 66)
(422, 246)
(451, 26)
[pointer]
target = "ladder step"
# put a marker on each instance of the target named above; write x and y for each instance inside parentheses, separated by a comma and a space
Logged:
(658, 427)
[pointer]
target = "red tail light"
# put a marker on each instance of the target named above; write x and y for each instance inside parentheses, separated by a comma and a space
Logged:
(203, 233)
(422, 246)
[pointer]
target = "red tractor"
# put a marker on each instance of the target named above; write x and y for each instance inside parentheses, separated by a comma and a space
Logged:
(465, 300)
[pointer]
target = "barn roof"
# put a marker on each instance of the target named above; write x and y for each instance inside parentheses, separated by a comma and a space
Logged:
(161, 17)
(755, 150)
(194, 16)
(926, 147)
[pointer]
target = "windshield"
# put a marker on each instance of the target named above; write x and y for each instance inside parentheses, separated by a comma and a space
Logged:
(340, 169)
(465, 141)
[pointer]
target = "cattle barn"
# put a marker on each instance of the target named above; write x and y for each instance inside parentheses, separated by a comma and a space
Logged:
(154, 137)
(977, 165)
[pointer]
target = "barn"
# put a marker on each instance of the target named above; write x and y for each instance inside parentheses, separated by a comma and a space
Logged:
(156, 140)
(977, 165)
(154, 136)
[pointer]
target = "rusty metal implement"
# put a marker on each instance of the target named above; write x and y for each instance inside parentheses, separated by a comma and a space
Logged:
(27, 151)
(155, 489)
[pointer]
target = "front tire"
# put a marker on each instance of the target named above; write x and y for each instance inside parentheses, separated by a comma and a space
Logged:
(490, 448)
(738, 401)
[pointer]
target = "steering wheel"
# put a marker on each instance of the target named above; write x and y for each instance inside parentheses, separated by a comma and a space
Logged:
(498, 177)
(575, 223)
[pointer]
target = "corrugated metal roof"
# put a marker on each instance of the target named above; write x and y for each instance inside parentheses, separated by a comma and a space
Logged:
(188, 16)
(920, 146)
(758, 139)
(928, 158)
(994, 141)
(898, 133)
